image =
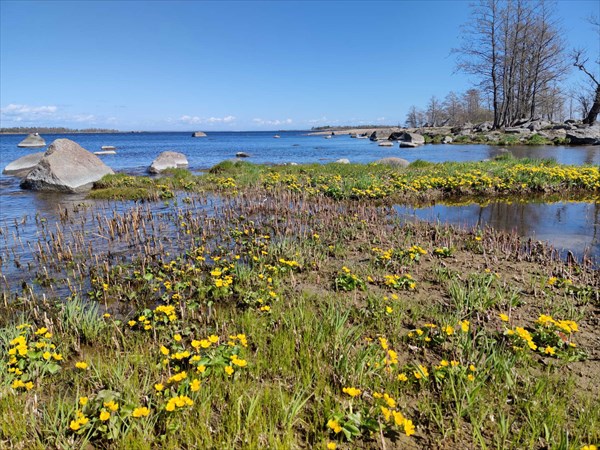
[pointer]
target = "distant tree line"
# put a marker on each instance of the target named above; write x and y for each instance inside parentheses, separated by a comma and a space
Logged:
(515, 51)
(53, 130)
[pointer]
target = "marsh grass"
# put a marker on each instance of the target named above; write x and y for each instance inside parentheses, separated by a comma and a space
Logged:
(307, 342)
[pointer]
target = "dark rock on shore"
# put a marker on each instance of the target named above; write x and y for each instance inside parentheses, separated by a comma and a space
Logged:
(411, 138)
(66, 167)
(585, 135)
(22, 166)
(34, 140)
(168, 160)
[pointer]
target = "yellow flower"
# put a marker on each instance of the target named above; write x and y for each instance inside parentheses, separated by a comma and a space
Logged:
(402, 377)
(228, 370)
(470, 377)
(448, 330)
(159, 387)
(589, 447)
(351, 391)
(106, 315)
(503, 317)
(104, 415)
(164, 350)
(57, 356)
(81, 365)
(389, 309)
(201, 368)
(141, 411)
(112, 405)
(464, 326)
(131, 323)
(41, 331)
(213, 339)
(331, 446)
(177, 338)
(409, 428)
(47, 355)
(195, 385)
(334, 425)
(83, 401)
(75, 425)
(549, 350)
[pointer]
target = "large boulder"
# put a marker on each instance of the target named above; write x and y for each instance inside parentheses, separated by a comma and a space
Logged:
(394, 162)
(199, 134)
(466, 128)
(22, 166)
(585, 136)
(168, 160)
(66, 167)
(412, 138)
(380, 134)
(34, 140)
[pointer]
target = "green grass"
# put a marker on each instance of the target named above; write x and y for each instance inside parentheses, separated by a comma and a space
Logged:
(468, 386)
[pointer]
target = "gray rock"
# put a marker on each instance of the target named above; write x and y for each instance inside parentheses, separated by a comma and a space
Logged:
(34, 140)
(168, 160)
(198, 134)
(537, 125)
(22, 166)
(386, 144)
(394, 162)
(466, 128)
(343, 161)
(516, 130)
(412, 138)
(483, 127)
(447, 140)
(66, 167)
(585, 136)
(242, 155)
(404, 144)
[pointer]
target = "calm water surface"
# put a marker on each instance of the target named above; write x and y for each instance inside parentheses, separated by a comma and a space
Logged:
(565, 225)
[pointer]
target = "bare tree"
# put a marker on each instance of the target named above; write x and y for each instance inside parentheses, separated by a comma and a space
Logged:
(581, 61)
(515, 51)
(434, 112)
(414, 118)
(453, 109)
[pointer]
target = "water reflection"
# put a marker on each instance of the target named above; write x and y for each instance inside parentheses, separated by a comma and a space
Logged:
(570, 226)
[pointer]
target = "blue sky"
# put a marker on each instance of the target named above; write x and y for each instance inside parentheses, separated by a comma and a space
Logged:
(234, 65)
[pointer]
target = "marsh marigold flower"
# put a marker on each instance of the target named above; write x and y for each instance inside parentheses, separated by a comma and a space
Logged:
(141, 411)
(351, 391)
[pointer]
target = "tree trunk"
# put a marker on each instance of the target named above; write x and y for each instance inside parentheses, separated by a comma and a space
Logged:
(595, 109)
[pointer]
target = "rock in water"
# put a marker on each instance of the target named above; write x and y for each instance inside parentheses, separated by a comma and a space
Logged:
(242, 155)
(411, 138)
(66, 167)
(34, 140)
(343, 161)
(198, 134)
(168, 160)
(394, 162)
(22, 166)
(386, 144)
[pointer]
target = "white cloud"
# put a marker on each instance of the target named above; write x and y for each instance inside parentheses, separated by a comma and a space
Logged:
(26, 113)
(321, 120)
(194, 120)
(263, 122)
(84, 118)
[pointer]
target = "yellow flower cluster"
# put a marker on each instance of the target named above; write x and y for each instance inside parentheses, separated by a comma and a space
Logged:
(180, 401)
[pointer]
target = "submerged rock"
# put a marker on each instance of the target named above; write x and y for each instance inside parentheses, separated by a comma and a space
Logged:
(242, 155)
(386, 144)
(66, 167)
(168, 160)
(22, 166)
(34, 140)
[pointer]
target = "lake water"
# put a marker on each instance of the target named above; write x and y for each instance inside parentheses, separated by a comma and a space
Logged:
(565, 225)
